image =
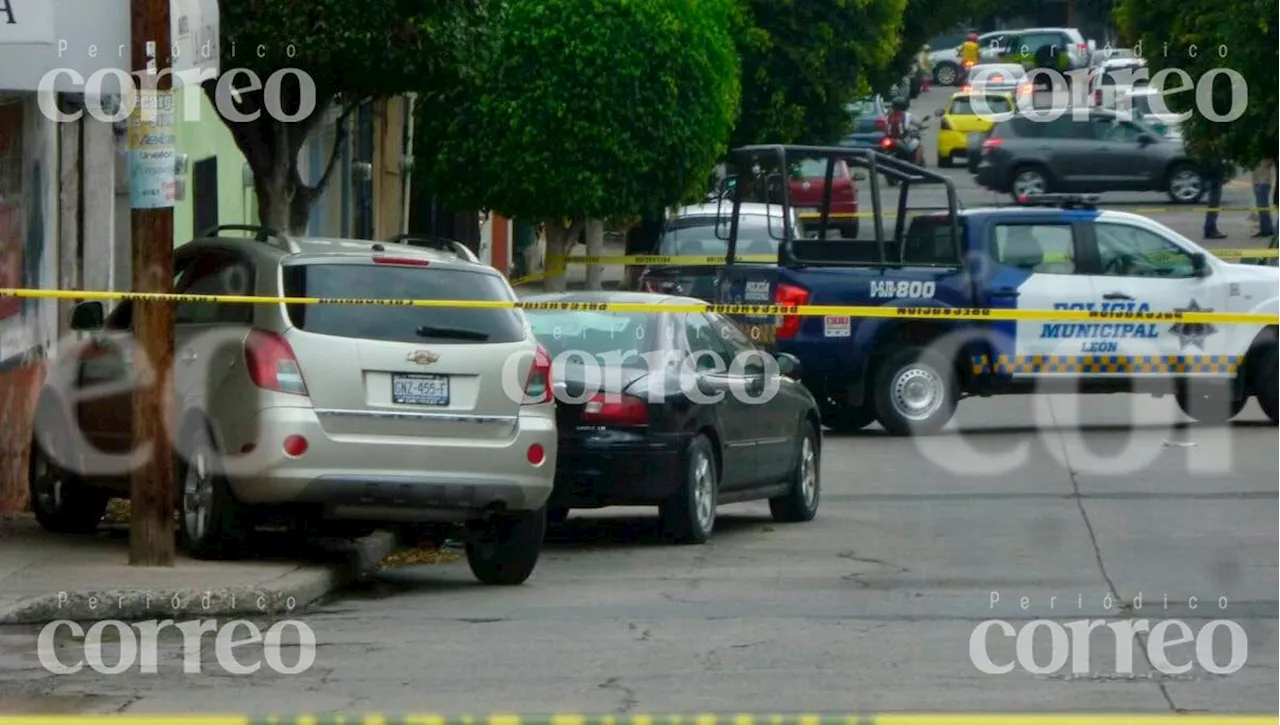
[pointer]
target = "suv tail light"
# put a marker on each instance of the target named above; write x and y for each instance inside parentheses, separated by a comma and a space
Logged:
(1082, 47)
(886, 143)
(612, 409)
(272, 364)
(882, 124)
(790, 296)
(537, 388)
(991, 144)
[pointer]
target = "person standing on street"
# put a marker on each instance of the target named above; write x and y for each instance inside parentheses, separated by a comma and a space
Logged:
(1214, 175)
(969, 53)
(1263, 178)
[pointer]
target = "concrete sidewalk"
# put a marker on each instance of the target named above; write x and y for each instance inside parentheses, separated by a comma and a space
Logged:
(46, 577)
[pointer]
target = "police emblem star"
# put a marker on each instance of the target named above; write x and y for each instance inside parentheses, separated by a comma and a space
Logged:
(1192, 333)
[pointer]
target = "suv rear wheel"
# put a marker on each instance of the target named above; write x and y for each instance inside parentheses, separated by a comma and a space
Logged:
(505, 550)
(1029, 181)
(214, 524)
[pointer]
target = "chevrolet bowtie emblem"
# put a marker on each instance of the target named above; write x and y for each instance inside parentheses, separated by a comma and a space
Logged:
(423, 357)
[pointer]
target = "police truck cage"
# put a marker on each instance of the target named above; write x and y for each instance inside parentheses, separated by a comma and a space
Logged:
(1061, 201)
(766, 163)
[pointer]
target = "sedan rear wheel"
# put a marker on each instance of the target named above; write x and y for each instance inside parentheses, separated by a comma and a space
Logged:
(689, 516)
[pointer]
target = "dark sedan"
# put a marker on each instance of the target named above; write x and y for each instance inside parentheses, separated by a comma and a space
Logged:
(676, 410)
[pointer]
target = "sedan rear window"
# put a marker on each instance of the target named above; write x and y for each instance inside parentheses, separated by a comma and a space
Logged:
(969, 106)
(401, 323)
(610, 337)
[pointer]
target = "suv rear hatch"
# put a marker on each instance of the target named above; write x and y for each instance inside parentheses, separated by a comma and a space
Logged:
(399, 370)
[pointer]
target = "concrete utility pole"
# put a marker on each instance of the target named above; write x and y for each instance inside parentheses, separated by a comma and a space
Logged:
(151, 174)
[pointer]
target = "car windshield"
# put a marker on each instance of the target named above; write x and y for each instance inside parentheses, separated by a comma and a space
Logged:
(981, 105)
(697, 237)
(609, 338)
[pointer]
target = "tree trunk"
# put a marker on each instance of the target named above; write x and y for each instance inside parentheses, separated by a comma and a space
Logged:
(595, 248)
(559, 238)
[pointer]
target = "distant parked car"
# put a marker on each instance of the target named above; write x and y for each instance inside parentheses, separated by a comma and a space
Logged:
(870, 121)
(328, 415)
(676, 410)
(808, 186)
(702, 231)
(967, 114)
(1105, 152)
(997, 78)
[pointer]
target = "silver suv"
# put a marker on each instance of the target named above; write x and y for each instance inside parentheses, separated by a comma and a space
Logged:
(347, 413)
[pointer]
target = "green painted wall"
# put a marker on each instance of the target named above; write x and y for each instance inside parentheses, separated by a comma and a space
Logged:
(201, 135)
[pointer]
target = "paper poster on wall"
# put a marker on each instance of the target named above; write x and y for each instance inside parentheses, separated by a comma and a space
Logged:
(13, 252)
(151, 152)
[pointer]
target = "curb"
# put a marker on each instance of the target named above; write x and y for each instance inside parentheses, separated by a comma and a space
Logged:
(294, 591)
(905, 718)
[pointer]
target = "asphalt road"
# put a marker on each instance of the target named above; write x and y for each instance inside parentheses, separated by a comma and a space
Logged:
(1188, 221)
(869, 607)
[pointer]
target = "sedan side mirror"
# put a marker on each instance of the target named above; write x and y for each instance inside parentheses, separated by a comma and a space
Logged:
(939, 113)
(788, 364)
(1199, 265)
(88, 316)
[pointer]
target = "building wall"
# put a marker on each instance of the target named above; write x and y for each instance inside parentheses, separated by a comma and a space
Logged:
(28, 250)
(202, 135)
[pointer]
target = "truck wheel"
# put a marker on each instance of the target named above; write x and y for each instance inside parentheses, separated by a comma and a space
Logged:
(1264, 383)
(506, 550)
(915, 392)
(1213, 403)
(800, 502)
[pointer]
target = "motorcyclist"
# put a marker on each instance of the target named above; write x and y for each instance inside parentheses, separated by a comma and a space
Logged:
(969, 53)
(901, 126)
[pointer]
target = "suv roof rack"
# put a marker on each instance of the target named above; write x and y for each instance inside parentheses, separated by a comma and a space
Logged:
(1063, 201)
(260, 234)
(445, 245)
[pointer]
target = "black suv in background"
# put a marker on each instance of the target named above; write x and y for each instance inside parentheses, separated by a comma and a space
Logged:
(1102, 151)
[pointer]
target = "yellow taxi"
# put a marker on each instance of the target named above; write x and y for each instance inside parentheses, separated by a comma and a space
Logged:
(968, 112)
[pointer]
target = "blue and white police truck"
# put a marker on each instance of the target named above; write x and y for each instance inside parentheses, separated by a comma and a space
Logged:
(1051, 253)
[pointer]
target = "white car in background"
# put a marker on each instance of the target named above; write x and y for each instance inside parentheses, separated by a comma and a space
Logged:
(1115, 77)
(1146, 105)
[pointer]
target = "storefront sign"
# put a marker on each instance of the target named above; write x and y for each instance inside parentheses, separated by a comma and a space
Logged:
(26, 22)
(151, 152)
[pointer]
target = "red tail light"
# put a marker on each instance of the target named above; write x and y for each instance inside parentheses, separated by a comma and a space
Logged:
(886, 142)
(537, 388)
(790, 296)
(966, 89)
(991, 144)
(272, 364)
(614, 409)
(881, 124)
(1097, 97)
(401, 261)
(1082, 47)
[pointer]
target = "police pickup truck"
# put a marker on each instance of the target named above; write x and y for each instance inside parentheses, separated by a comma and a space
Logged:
(1052, 253)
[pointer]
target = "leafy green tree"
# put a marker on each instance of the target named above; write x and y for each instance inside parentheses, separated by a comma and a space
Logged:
(576, 111)
(804, 60)
(352, 52)
(1246, 31)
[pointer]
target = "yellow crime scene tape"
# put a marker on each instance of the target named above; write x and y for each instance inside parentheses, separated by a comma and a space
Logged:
(927, 313)
(810, 215)
(685, 719)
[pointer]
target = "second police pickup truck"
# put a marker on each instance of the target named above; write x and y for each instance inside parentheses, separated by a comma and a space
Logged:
(1052, 253)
